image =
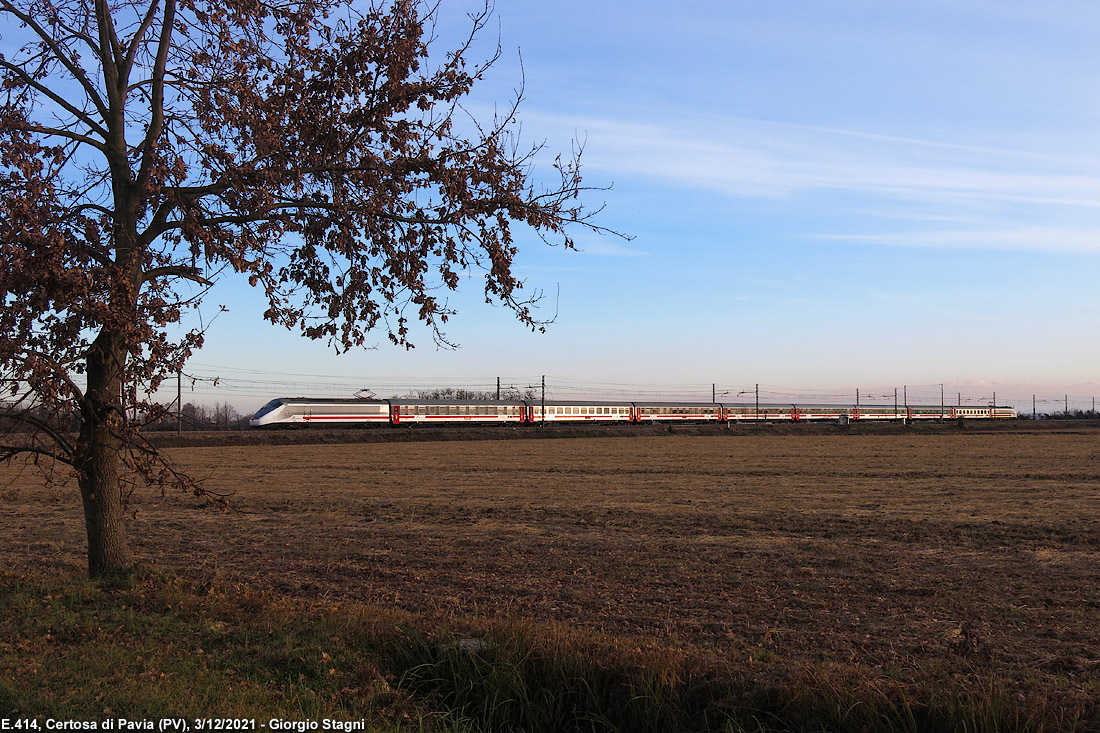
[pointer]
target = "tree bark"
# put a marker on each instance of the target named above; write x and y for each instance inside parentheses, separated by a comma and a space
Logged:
(99, 463)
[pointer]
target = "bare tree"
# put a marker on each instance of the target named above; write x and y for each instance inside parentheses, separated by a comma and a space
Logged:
(148, 147)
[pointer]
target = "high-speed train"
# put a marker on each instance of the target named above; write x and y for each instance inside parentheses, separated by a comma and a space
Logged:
(307, 411)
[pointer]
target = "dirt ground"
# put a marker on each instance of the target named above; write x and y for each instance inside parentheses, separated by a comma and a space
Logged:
(885, 550)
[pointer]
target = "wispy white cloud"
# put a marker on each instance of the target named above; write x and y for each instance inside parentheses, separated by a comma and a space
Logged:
(1000, 196)
(1052, 239)
(759, 158)
(608, 248)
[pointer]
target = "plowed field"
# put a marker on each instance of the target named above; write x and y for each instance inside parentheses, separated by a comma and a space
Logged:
(884, 551)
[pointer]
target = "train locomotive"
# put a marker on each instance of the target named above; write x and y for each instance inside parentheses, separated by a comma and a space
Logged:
(306, 411)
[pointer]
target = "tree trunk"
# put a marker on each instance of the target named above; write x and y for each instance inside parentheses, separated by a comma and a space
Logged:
(108, 552)
(99, 462)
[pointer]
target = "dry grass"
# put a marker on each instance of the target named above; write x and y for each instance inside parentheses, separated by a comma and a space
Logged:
(920, 558)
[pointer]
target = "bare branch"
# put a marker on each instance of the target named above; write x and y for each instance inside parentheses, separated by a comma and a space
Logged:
(9, 452)
(156, 103)
(59, 54)
(25, 417)
(181, 271)
(55, 97)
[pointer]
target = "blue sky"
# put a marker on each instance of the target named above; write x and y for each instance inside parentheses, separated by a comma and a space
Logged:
(822, 196)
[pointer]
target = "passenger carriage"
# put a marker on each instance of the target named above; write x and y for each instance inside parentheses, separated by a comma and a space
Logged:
(581, 411)
(457, 411)
(750, 412)
(677, 412)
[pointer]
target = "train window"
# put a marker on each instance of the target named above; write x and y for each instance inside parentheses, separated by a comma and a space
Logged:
(269, 407)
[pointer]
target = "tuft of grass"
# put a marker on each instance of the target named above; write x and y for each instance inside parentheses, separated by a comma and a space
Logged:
(519, 678)
(161, 646)
(75, 650)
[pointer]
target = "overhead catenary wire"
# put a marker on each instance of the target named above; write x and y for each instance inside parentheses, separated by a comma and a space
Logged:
(248, 387)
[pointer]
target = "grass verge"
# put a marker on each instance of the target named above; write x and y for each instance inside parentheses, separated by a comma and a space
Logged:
(161, 646)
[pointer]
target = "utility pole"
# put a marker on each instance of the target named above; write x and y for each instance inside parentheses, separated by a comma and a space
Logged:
(758, 402)
(713, 393)
(179, 402)
(993, 412)
(543, 399)
(1034, 414)
(895, 403)
(498, 389)
(905, 395)
(1067, 405)
(941, 401)
(960, 399)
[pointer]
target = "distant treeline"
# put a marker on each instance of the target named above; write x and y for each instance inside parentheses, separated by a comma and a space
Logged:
(221, 416)
(192, 417)
(1071, 415)
(529, 394)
